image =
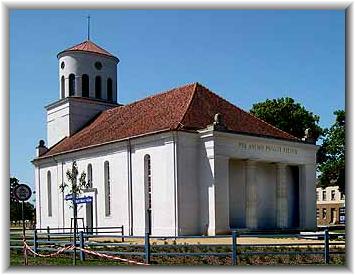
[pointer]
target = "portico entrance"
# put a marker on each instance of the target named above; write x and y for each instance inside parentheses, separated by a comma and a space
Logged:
(263, 195)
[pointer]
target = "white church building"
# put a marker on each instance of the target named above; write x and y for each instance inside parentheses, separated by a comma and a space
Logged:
(180, 162)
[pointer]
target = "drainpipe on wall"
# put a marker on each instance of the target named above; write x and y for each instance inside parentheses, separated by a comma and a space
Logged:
(130, 200)
(39, 197)
(175, 184)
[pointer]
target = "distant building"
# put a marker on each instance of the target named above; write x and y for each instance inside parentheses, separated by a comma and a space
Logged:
(329, 204)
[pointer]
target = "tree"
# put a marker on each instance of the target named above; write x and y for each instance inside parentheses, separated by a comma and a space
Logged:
(75, 189)
(13, 183)
(331, 154)
(289, 116)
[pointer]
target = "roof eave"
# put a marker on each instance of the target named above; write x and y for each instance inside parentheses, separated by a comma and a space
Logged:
(95, 53)
(102, 144)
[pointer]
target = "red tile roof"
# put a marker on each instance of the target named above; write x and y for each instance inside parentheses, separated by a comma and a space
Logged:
(188, 108)
(88, 46)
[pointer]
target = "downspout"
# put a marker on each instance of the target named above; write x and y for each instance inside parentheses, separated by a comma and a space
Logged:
(130, 199)
(175, 184)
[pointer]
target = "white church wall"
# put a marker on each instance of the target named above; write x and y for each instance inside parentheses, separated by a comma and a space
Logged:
(118, 182)
(69, 115)
(43, 196)
(57, 124)
(81, 112)
(117, 158)
(188, 184)
(160, 150)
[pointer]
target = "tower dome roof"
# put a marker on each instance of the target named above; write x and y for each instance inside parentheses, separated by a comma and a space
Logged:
(88, 46)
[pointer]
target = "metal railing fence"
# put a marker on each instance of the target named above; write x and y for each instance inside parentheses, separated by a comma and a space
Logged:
(50, 239)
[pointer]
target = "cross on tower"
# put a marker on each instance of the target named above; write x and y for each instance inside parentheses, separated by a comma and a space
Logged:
(88, 27)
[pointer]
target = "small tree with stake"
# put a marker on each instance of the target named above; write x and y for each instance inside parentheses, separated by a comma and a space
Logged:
(75, 188)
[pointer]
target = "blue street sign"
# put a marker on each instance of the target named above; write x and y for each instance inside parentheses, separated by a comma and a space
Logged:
(84, 200)
(79, 200)
(342, 215)
(68, 197)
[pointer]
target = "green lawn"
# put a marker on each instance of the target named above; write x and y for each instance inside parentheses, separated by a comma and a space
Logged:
(17, 259)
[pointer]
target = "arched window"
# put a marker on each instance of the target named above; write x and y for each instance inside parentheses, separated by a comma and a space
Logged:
(148, 193)
(49, 193)
(62, 86)
(71, 84)
(98, 87)
(109, 89)
(107, 189)
(85, 85)
(89, 183)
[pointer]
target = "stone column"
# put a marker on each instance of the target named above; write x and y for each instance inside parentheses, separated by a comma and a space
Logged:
(218, 196)
(221, 182)
(78, 86)
(308, 204)
(251, 219)
(281, 196)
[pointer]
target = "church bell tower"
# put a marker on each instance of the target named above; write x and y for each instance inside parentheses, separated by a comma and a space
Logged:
(87, 86)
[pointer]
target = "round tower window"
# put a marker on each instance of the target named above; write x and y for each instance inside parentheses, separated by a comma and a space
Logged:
(62, 65)
(98, 65)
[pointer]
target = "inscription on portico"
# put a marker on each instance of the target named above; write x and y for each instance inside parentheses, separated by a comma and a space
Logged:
(258, 147)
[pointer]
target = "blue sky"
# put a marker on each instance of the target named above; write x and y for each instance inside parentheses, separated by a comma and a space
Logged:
(244, 56)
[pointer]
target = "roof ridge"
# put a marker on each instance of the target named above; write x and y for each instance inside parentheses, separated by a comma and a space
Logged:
(188, 107)
(88, 46)
(248, 113)
(98, 46)
(76, 45)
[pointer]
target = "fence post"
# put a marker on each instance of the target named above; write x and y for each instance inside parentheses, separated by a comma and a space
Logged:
(35, 243)
(122, 239)
(146, 248)
(234, 248)
(48, 234)
(82, 244)
(87, 232)
(326, 246)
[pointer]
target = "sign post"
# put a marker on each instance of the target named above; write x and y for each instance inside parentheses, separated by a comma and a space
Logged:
(22, 192)
(76, 200)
